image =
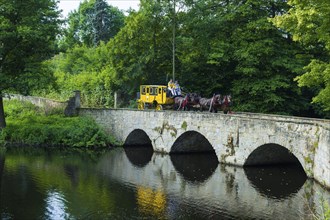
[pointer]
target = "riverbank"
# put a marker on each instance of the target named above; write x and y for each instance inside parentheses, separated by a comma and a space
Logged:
(29, 125)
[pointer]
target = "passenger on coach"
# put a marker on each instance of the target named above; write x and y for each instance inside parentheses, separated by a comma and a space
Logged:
(177, 88)
(171, 87)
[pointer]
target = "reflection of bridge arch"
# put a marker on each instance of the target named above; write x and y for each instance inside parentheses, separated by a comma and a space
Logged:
(139, 156)
(191, 141)
(276, 182)
(195, 167)
(226, 189)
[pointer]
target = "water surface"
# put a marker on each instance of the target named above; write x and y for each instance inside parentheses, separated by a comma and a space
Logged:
(136, 183)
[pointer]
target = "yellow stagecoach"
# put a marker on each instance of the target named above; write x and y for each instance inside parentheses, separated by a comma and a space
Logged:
(154, 97)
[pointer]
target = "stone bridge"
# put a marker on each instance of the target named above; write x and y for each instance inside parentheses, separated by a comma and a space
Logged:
(239, 139)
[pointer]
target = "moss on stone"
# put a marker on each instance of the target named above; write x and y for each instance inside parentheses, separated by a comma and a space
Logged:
(167, 127)
(230, 149)
(184, 125)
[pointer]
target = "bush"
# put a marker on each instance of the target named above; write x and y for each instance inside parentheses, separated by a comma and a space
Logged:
(27, 125)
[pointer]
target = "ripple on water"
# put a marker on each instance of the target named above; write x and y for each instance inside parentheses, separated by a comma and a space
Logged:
(56, 206)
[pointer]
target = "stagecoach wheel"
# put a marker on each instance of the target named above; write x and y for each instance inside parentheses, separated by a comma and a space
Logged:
(141, 105)
(159, 107)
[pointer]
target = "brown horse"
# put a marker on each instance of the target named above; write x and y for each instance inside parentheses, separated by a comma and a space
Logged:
(210, 103)
(193, 101)
(226, 103)
(181, 103)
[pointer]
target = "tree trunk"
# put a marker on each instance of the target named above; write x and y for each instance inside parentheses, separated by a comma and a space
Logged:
(2, 114)
(2, 165)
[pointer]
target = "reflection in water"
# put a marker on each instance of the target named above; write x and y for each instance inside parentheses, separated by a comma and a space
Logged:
(279, 182)
(49, 185)
(72, 173)
(139, 156)
(195, 167)
(151, 202)
(55, 206)
(2, 165)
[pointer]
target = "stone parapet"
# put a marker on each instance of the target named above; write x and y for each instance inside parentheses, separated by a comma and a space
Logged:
(46, 104)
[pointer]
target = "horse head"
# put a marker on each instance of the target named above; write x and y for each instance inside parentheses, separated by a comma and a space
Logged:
(229, 99)
(226, 100)
(194, 98)
(226, 103)
(217, 99)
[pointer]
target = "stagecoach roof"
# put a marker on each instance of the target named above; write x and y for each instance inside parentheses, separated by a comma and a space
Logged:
(155, 85)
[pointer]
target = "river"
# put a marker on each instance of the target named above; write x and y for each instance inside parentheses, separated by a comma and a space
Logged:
(135, 183)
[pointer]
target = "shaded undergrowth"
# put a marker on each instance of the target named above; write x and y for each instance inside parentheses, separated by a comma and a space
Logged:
(29, 125)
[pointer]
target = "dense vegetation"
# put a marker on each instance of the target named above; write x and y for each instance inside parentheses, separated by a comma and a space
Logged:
(28, 33)
(29, 125)
(272, 56)
(220, 47)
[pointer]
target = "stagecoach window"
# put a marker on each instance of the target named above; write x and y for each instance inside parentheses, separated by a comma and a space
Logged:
(143, 90)
(148, 90)
(153, 91)
(160, 91)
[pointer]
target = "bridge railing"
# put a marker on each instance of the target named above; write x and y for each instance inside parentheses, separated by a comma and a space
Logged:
(283, 117)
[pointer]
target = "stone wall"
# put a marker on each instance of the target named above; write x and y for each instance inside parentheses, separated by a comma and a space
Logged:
(233, 137)
(69, 107)
(44, 103)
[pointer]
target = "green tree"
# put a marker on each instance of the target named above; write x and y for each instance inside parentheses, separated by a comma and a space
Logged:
(230, 47)
(308, 22)
(82, 68)
(94, 21)
(141, 53)
(28, 32)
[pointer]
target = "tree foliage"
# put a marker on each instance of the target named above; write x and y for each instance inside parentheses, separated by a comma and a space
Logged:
(28, 32)
(141, 52)
(227, 47)
(243, 54)
(93, 22)
(82, 68)
(222, 46)
(308, 22)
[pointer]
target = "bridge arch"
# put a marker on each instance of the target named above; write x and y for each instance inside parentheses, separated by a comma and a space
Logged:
(191, 142)
(270, 154)
(137, 137)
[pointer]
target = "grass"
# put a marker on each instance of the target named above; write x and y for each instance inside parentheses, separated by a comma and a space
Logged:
(29, 125)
